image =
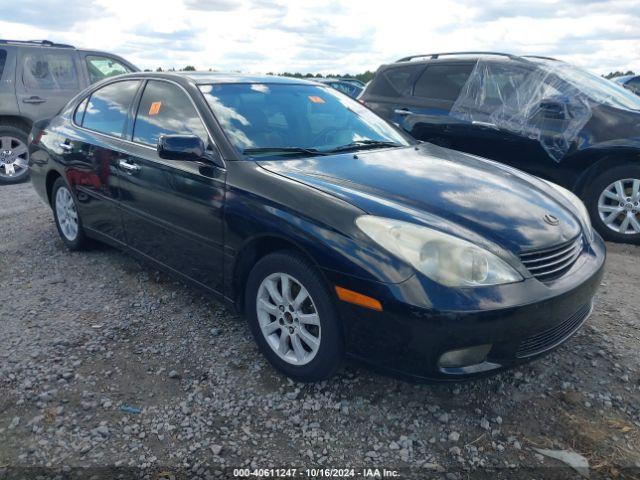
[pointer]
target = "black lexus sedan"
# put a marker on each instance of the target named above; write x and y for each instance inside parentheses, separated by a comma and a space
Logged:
(333, 232)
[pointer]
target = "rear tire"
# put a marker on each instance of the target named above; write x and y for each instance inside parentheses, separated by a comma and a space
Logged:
(299, 332)
(14, 156)
(613, 201)
(67, 216)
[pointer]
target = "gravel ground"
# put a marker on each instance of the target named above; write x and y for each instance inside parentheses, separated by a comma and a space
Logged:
(86, 336)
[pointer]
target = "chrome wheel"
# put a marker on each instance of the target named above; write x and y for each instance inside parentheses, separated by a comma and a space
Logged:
(619, 206)
(14, 157)
(66, 214)
(288, 318)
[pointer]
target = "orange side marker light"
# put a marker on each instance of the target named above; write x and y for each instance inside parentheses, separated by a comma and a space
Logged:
(356, 298)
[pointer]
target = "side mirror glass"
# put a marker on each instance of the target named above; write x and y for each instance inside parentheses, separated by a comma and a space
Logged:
(181, 147)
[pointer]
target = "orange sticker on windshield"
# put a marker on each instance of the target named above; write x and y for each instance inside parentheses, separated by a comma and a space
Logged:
(155, 108)
(315, 99)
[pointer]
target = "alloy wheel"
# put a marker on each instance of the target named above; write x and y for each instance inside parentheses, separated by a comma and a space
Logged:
(288, 318)
(14, 157)
(66, 214)
(619, 206)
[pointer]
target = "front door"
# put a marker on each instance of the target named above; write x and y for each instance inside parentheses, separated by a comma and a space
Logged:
(172, 209)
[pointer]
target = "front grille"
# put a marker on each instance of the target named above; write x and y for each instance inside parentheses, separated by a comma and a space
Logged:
(551, 263)
(548, 339)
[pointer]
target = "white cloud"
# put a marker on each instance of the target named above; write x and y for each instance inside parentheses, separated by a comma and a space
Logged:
(338, 36)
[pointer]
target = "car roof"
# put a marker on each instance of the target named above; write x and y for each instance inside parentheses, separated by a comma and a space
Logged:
(206, 78)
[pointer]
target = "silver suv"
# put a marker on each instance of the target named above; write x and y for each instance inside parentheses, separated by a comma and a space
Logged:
(37, 78)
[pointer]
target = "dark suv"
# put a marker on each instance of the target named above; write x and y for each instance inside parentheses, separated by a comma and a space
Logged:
(37, 79)
(538, 114)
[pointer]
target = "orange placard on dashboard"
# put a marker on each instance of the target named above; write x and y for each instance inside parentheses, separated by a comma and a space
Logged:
(155, 108)
(315, 99)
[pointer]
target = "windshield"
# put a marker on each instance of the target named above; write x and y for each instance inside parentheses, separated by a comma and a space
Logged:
(300, 119)
(597, 88)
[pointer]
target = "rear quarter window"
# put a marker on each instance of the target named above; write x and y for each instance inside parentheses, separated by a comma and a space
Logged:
(395, 81)
(3, 59)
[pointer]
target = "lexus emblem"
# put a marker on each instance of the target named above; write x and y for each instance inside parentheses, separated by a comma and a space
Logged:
(551, 220)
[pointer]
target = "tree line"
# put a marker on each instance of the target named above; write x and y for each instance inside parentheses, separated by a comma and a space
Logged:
(618, 73)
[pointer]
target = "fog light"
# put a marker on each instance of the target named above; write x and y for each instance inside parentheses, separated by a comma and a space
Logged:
(464, 357)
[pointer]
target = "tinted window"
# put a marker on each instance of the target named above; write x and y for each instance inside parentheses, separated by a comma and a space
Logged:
(394, 81)
(165, 109)
(47, 70)
(100, 68)
(3, 58)
(107, 108)
(442, 82)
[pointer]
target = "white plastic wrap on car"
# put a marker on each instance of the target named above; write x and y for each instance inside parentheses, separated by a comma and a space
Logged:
(540, 103)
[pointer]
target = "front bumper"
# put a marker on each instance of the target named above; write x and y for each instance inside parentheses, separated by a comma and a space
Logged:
(421, 320)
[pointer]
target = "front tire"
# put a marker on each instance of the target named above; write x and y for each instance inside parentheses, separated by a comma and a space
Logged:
(293, 317)
(613, 201)
(67, 216)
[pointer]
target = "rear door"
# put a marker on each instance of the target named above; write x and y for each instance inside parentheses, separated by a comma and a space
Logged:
(172, 209)
(46, 79)
(425, 115)
(91, 152)
(391, 89)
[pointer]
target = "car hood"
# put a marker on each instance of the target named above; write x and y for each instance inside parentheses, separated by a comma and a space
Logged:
(455, 192)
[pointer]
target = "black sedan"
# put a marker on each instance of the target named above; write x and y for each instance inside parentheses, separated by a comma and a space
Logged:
(331, 230)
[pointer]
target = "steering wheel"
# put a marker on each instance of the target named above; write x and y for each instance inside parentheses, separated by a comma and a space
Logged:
(322, 137)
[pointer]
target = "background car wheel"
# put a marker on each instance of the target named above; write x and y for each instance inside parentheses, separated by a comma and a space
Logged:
(293, 317)
(613, 200)
(67, 217)
(14, 155)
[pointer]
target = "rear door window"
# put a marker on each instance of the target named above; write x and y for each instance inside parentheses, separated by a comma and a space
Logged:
(3, 59)
(108, 107)
(166, 109)
(443, 82)
(49, 70)
(100, 68)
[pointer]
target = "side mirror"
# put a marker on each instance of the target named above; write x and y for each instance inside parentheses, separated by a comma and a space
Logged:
(181, 147)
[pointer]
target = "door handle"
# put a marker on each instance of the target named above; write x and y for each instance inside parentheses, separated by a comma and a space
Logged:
(33, 99)
(403, 111)
(65, 146)
(128, 167)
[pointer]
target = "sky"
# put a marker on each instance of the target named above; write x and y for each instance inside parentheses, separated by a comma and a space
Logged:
(353, 36)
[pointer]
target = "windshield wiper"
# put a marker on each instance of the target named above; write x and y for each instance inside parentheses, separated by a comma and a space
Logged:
(282, 150)
(363, 144)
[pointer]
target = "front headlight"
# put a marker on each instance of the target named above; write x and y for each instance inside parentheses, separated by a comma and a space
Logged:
(579, 209)
(443, 258)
